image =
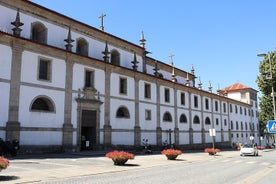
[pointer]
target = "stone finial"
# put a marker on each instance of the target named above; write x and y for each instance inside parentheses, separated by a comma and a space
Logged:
(156, 69)
(17, 24)
(69, 41)
(134, 62)
(210, 87)
(187, 80)
(142, 40)
(199, 83)
(106, 53)
(173, 73)
(193, 70)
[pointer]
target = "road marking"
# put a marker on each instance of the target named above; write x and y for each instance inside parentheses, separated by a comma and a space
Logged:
(253, 178)
(252, 162)
(238, 161)
(265, 163)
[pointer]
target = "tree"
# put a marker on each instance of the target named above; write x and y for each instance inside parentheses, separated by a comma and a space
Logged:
(265, 81)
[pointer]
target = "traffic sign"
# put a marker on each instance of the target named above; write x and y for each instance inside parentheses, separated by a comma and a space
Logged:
(271, 126)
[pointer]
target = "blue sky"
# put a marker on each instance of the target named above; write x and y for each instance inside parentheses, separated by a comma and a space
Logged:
(220, 38)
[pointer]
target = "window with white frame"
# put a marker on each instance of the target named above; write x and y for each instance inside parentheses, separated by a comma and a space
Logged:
(147, 90)
(123, 86)
(148, 114)
(44, 69)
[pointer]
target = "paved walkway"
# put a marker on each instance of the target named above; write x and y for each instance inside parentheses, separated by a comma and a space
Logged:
(36, 169)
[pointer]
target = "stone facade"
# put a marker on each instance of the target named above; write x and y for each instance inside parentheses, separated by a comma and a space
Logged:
(73, 87)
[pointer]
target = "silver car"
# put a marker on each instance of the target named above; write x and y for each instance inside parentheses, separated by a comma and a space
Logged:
(249, 149)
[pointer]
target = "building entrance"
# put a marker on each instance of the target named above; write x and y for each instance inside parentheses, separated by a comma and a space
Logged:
(88, 129)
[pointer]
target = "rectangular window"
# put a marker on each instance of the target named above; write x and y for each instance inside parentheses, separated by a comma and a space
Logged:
(217, 121)
(89, 79)
(147, 91)
(195, 101)
(123, 86)
(206, 104)
(148, 114)
(216, 105)
(44, 69)
(167, 95)
(182, 98)
(231, 108)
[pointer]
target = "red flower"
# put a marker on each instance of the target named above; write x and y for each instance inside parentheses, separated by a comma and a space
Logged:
(119, 155)
(171, 152)
(4, 163)
(211, 150)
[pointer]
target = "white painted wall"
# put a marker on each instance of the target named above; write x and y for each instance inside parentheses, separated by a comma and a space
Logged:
(153, 98)
(5, 62)
(29, 70)
(162, 95)
(4, 104)
(184, 138)
(40, 138)
(115, 84)
(79, 77)
(40, 119)
(122, 123)
(147, 124)
(123, 138)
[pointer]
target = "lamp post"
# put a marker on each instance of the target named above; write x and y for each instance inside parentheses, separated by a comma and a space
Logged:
(271, 79)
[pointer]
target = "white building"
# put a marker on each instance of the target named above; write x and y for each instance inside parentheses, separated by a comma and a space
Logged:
(65, 85)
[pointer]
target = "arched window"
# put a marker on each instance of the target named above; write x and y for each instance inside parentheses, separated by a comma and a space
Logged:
(122, 112)
(196, 120)
(207, 121)
(42, 104)
(82, 47)
(183, 118)
(115, 57)
(167, 117)
(39, 32)
(237, 125)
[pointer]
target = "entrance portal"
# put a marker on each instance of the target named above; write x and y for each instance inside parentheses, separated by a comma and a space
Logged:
(88, 129)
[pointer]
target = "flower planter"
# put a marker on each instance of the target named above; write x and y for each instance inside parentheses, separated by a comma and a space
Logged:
(171, 157)
(171, 154)
(119, 161)
(212, 151)
(119, 157)
(4, 163)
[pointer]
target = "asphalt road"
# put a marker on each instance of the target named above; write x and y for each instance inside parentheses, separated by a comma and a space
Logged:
(226, 167)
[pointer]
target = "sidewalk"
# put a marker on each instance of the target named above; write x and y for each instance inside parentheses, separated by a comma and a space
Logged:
(59, 166)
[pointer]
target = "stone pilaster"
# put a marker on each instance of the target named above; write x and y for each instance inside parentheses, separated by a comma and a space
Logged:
(67, 138)
(158, 123)
(159, 136)
(107, 126)
(191, 131)
(137, 129)
(107, 135)
(203, 139)
(137, 136)
(13, 125)
(176, 136)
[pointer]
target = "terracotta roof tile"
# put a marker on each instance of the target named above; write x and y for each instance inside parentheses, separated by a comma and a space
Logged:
(235, 87)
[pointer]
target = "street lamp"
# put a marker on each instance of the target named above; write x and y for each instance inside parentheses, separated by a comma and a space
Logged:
(271, 79)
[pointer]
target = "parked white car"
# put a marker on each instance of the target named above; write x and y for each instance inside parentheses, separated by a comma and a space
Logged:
(249, 149)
